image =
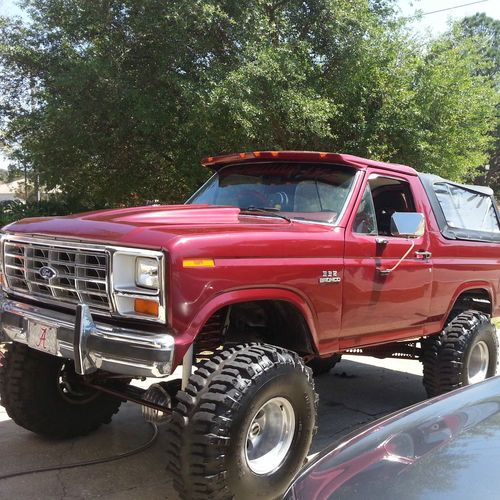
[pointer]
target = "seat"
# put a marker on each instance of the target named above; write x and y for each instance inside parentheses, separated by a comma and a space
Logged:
(386, 203)
(306, 198)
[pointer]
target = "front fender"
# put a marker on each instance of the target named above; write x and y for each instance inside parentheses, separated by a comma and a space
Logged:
(186, 338)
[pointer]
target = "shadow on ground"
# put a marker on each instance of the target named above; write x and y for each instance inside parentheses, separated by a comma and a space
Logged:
(351, 395)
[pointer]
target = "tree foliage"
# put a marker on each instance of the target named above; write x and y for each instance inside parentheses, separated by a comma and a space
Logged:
(487, 30)
(115, 101)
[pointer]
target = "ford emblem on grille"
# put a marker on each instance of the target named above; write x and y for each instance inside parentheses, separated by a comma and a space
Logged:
(47, 272)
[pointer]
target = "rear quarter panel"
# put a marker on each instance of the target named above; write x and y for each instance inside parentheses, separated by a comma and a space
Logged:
(458, 266)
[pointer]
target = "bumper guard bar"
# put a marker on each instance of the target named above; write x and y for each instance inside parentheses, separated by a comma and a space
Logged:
(91, 345)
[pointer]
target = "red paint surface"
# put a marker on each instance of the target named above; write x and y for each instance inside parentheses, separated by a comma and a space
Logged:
(270, 258)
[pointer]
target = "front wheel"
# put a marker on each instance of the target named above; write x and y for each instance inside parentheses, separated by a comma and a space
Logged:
(243, 426)
(43, 394)
(464, 353)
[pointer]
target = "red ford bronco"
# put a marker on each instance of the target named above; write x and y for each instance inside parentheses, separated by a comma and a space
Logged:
(280, 263)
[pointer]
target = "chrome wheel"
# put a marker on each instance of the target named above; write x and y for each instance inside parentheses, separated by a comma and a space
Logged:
(479, 360)
(270, 435)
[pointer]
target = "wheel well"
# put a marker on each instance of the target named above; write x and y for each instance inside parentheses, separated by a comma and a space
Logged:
(275, 322)
(478, 299)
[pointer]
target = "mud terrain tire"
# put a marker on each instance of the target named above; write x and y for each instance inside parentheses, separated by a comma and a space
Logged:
(31, 392)
(209, 454)
(450, 358)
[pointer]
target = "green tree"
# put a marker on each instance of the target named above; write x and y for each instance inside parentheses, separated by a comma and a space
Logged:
(367, 88)
(487, 30)
(115, 101)
(453, 111)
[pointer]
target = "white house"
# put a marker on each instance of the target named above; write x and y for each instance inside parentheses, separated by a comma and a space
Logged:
(12, 190)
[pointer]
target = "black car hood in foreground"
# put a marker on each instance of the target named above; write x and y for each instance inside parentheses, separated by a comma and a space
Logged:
(447, 447)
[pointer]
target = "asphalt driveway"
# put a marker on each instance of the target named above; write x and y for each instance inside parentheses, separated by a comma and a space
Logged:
(355, 392)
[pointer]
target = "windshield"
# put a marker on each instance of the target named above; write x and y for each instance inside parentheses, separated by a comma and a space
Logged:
(296, 190)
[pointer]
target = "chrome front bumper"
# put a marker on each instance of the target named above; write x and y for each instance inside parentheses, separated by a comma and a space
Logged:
(91, 345)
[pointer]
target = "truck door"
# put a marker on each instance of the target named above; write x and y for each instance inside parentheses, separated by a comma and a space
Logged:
(378, 308)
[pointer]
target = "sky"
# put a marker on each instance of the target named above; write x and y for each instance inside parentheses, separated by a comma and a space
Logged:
(430, 22)
(437, 22)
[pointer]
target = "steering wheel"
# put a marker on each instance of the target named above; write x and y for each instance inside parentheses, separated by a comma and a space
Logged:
(280, 198)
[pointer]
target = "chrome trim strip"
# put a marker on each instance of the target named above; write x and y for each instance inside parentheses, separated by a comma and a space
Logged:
(340, 218)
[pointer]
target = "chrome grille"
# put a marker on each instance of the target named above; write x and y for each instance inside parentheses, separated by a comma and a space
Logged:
(80, 274)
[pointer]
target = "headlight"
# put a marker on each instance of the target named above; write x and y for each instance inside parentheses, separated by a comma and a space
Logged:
(146, 273)
(137, 283)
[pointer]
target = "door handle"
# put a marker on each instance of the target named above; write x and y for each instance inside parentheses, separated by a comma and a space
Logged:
(423, 254)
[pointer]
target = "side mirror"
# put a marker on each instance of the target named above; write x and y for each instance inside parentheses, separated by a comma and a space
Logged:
(407, 224)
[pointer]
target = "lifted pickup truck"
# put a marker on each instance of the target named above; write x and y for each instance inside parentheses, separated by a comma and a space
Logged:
(280, 263)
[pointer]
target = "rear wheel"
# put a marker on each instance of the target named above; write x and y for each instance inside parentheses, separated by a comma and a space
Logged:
(466, 352)
(43, 394)
(243, 426)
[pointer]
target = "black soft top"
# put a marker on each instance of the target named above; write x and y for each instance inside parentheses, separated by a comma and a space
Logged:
(454, 233)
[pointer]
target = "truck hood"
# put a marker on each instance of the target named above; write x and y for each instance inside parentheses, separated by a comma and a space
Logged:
(127, 225)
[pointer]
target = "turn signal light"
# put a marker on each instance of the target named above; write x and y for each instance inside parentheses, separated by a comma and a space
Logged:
(198, 263)
(148, 307)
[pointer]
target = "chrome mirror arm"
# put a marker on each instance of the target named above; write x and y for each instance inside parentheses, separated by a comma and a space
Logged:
(385, 272)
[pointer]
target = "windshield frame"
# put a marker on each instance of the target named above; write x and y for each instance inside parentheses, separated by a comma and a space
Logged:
(355, 182)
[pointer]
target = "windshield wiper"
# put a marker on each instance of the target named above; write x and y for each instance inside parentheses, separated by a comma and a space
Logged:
(266, 210)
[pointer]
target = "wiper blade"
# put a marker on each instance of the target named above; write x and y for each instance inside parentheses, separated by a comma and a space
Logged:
(266, 210)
